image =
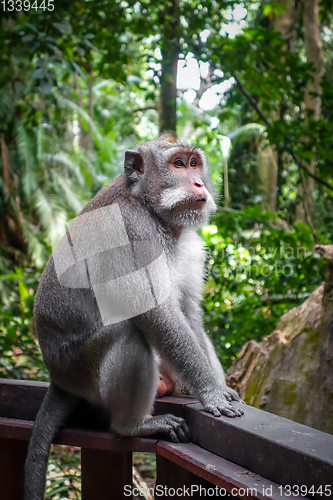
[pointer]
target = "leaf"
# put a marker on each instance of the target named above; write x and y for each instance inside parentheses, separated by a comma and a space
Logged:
(28, 38)
(39, 73)
(55, 49)
(79, 70)
(61, 27)
(24, 293)
(103, 84)
(268, 9)
(90, 45)
(46, 86)
(69, 67)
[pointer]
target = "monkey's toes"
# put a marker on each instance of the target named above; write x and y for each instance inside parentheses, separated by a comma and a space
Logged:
(232, 395)
(178, 430)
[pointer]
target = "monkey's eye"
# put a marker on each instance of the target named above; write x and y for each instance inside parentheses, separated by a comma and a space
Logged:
(193, 162)
(178, 162)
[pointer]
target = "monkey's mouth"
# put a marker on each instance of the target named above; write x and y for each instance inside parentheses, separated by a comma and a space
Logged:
(196, 203)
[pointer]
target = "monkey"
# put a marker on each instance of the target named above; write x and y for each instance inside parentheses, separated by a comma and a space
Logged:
(120, 294)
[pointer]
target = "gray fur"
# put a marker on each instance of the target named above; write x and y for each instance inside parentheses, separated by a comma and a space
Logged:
(114, 365)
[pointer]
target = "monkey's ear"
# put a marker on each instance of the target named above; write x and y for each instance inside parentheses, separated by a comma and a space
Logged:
(133, 164)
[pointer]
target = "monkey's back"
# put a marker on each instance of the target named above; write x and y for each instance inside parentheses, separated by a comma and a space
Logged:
(70, 305)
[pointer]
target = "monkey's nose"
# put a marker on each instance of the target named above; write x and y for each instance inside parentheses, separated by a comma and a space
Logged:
(198, 183)
(198, 189)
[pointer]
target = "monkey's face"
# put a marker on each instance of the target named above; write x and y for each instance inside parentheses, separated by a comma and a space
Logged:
(173, 180)
(185, 200)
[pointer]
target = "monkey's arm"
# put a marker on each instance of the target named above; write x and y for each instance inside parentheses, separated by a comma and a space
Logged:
(167, 330)
(193, 313)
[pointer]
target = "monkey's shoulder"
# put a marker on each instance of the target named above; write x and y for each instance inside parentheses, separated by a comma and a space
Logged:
(125, 211)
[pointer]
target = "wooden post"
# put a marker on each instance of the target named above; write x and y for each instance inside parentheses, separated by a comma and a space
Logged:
(12, 458)
(172, 477)
(104, 474)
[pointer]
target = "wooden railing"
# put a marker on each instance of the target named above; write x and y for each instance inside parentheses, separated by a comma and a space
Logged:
(259, 455)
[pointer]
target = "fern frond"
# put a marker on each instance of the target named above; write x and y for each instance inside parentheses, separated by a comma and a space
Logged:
(63, 159)
(28, 157)
(40, 141)
(247, 131)
(52, 215)
(36, 249)
(67, 103)
(68, 191)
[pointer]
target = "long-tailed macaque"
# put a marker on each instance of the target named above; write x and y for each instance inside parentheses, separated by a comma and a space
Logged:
(122, 293)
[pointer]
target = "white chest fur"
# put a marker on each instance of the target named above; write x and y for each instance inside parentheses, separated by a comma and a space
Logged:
(188, 263)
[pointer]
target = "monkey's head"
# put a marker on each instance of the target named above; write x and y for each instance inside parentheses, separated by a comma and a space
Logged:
(171, 179)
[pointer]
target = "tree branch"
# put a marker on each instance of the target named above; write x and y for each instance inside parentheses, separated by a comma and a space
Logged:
(145, 108)
(252, 101)
(268, 123)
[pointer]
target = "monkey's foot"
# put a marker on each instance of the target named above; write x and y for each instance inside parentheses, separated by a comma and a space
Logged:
(175, 427)
(218, 403)
(232, 395)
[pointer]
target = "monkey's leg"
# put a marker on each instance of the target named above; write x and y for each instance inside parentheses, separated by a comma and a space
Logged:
(128, 384)
(57, 405)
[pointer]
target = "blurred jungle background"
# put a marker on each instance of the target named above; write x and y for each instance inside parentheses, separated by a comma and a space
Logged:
(249, 82)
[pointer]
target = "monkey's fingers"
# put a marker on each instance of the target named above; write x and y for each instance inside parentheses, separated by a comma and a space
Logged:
(236, 412)
(224, 409)
(213, 409)
(232, 395)
(229, 411)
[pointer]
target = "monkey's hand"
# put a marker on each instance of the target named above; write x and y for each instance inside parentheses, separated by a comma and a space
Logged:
(218, 403)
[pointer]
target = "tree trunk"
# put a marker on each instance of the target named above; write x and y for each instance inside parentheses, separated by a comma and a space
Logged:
(268, 177)
(11, 228)
(89, 140)
(314, 55)
(169, 20)
(290, 373)
(285, 23)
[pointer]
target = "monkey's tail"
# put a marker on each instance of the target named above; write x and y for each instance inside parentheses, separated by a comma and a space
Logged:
(57, 405)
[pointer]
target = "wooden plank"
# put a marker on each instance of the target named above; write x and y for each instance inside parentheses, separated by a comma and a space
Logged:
(231, 478)
(107, 441)
(12, 458)
(105, 474)
(21, 399)
(174, 405)
(286, 452)
(20, 430)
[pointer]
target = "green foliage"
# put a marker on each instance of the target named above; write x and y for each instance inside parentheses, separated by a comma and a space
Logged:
(20, 356)
(257, 271)
(79, 85)
(63, 478)
(145, 464)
